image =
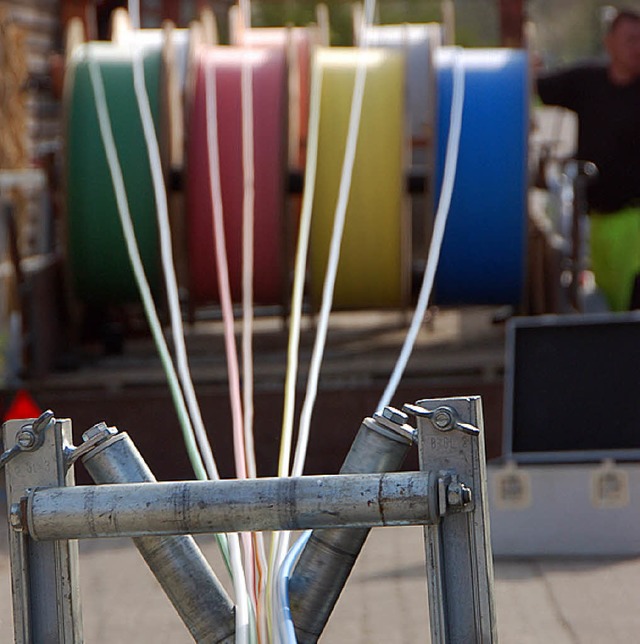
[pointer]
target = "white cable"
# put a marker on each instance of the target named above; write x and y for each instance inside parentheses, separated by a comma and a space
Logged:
(284, 461)
(278, 608)
(240, 587)
(115, 170)
(299, 273)
(239, 580)
(171, 285)
(444, 203)
(286, 629)
(124, 214)
(255, 581)
(242, 621)
(248, 214)
(334, 251)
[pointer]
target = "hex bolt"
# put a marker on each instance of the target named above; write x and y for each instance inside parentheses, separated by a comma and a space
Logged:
(15, 517)
(395, 415)
(26, 439)
(97, 430)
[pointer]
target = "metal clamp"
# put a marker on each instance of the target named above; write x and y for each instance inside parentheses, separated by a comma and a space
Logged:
(29, 438)
(93, 437)
(444, 418)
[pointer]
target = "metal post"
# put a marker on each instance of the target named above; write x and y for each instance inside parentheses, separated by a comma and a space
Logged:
(44, 576)
(458, 549)
(325, 564)
(583, 173)
(177, 562)
(190, 507)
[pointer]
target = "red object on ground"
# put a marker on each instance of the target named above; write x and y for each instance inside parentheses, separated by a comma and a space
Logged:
(22, 406)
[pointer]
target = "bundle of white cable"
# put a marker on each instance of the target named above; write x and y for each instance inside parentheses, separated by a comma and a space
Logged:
(209, 470)
(281, 626)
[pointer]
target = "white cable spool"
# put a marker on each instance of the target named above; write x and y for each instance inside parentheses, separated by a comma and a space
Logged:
(418, 42)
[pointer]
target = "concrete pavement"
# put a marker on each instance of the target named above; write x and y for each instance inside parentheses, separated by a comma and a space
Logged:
(539, 601)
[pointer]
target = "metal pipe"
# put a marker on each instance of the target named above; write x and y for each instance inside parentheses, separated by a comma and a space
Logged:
(176, 561)
(381, 445)
(302, 503)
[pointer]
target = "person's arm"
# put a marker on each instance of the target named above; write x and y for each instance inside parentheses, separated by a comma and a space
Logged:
(563, 89)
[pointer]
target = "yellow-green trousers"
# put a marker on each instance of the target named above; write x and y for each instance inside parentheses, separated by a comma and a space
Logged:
(615, 254)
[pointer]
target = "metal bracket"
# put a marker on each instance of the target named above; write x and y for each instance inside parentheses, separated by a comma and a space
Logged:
(44, 576)
(458, 550)
(93, 437)
(29, 438)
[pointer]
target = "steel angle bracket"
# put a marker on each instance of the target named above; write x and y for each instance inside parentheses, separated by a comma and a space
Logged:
(44, 575)
(458, 548)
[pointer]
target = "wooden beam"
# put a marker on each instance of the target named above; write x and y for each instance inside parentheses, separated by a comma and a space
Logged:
(171, 11)
(511, 23)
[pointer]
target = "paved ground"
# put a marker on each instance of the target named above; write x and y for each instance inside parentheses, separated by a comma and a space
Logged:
(590, 601)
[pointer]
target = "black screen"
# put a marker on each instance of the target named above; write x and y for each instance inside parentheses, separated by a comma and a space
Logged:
(576, 386)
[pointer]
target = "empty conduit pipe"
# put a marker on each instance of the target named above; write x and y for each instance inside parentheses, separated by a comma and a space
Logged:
(325, 564)
(176, 561)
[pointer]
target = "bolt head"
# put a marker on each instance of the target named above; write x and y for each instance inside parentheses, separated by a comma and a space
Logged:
(395, 415)
(26, 439)
(443, 419)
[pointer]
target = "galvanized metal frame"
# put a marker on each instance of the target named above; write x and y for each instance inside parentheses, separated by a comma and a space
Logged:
(448, 496)
(44, 575)
(458, 548)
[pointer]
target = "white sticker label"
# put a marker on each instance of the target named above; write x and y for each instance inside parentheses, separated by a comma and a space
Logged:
(512, 489)
(610, 488)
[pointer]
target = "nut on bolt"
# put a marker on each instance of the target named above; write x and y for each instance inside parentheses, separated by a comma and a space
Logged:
(395, 415)
(458, 494)
(99, 429)
(15, 517)
(396, 421)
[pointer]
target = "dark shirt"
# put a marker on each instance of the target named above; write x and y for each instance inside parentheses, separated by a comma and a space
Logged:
(608, 130)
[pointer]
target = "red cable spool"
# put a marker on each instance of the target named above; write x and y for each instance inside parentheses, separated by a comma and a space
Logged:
(297, 43)
(270, 154)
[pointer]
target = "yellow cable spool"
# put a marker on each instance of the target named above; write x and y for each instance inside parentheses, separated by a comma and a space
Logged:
(374, 263)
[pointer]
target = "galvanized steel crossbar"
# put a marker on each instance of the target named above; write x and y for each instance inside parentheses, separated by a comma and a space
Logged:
(192, 507)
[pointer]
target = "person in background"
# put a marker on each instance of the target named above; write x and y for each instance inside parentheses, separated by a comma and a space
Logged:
(606, 99)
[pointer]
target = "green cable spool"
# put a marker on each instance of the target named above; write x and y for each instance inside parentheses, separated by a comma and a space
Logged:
(98, 256)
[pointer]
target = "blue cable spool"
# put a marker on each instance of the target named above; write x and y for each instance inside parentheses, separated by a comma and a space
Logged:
(484, 247)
